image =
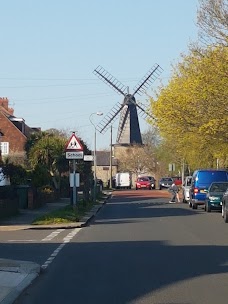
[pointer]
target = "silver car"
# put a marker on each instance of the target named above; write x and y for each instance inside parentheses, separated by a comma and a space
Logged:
(186, 188)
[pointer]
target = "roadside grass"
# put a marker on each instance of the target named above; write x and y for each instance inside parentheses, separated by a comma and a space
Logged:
(67, 214)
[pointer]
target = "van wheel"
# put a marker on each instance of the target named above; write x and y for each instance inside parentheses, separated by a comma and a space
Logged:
(208, 207)
(225, 214)
(194, 206)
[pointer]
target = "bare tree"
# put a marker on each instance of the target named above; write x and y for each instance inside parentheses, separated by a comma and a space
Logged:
(137, 159)
(212, 19)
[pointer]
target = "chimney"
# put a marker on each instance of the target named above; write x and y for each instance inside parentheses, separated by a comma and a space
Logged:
(4, 102)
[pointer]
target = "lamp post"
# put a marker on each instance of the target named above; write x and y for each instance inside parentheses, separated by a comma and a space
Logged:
(94, 153)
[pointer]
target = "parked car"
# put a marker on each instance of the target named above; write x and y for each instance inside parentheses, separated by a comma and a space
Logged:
(165, 182)
(143, 182)
(152, 182)
(225, 206)
(201, 180)
(214, 196)
(177, 180)
(186, 189)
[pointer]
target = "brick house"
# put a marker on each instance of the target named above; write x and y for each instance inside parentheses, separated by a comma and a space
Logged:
(14, 133)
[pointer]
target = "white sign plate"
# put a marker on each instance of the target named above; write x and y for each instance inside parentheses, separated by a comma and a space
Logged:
(74, 155)
(88, 157)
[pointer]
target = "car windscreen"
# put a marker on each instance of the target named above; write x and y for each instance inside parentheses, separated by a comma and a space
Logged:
(207, 177)
(143, 179)
(218, 187)
(166, 180)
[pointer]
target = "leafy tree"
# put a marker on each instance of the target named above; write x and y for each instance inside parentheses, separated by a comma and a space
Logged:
(32, 139)
(40, 175)
(191, 110)
(49, 151)
(48, 161)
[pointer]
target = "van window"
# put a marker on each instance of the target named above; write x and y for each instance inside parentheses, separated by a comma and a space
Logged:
(188, 181)
(212, 176)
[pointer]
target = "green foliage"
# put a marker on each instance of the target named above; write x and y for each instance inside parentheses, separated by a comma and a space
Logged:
(17, 174)
(67, 214)
(46, 153)
(191, 110)
(32, 139)
(40, 176)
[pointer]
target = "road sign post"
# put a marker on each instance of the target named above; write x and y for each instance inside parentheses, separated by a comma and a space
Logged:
(74, 186)
(74, 150)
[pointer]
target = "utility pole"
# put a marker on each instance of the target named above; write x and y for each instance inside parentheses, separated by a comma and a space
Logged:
(110, 184)
(183, 170)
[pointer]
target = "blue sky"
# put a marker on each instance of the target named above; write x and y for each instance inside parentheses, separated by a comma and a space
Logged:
(50, 48)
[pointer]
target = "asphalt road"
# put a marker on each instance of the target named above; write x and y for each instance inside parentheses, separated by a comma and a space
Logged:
(138, 249)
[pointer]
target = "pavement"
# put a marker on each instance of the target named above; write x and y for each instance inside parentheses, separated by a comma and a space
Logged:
(15, 275)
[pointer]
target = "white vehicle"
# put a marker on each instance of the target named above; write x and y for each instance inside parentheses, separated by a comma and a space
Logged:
(4, 181)
(186, 188)
(123, 180)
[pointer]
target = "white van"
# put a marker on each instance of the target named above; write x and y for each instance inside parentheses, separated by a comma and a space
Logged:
(186, 189)
(123, 180)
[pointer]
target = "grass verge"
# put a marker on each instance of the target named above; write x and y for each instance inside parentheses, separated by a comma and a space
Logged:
(67, 214)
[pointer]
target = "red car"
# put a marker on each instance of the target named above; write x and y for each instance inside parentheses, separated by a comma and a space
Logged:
(143, 183)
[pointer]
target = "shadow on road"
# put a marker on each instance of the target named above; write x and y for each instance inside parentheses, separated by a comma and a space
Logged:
(122, 272)
(128, 210)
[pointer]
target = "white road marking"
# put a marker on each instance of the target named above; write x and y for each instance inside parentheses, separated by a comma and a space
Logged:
(22, 241)
(66, 240)
(52, 235)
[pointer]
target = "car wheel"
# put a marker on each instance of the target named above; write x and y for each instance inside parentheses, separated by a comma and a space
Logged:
(194, 206)
(225, 214)
(160, 188)
(207, 207)
(136, 188)
(190, 205)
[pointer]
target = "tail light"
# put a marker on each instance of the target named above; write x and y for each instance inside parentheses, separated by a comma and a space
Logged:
(196, 190)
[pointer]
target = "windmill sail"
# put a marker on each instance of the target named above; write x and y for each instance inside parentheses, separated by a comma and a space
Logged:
(110, 117)
(129, 129)
(148, 79)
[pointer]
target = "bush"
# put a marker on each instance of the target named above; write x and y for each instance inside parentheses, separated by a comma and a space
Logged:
(17, 174)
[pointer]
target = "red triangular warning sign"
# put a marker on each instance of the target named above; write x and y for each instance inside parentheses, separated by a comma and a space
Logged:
(74, 144)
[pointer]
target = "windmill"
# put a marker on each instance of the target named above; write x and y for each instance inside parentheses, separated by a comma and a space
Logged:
(129, 129)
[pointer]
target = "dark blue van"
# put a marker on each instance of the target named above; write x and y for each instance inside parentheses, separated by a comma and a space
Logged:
(201, 180)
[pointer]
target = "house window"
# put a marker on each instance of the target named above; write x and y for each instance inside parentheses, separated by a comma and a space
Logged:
(4, 148)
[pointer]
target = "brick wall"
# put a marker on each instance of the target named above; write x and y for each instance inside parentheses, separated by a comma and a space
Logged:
(12, 135)
(103, 173)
